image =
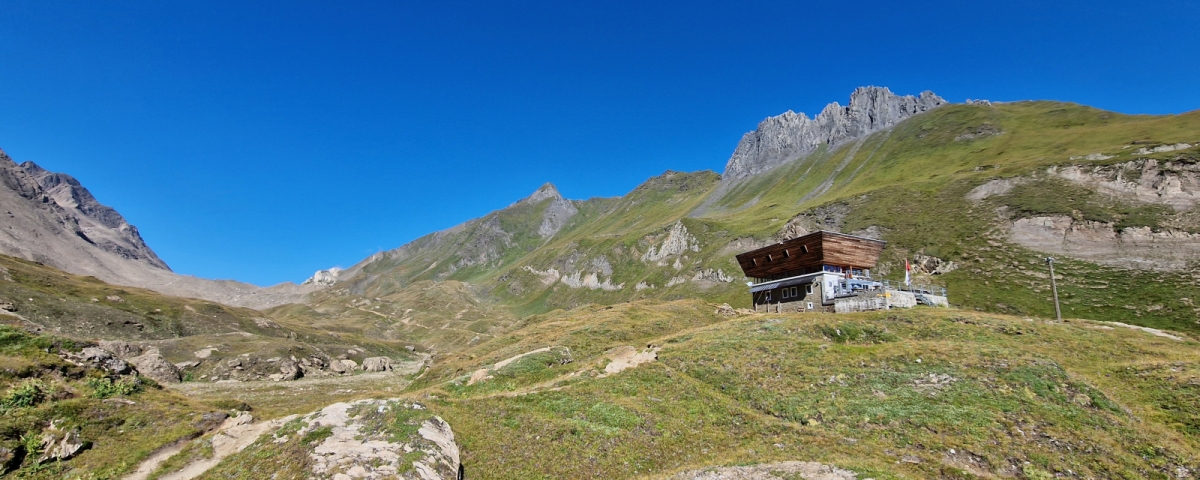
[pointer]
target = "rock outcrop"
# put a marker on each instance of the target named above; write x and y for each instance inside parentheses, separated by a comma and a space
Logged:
(932, 265)
(1099, 242)
(60, 444)
(377, 364)
(363, 442)
(102, 359)
(1172, 183)
(152, 365)
(792, 135)
(324, 277)
(678, 241)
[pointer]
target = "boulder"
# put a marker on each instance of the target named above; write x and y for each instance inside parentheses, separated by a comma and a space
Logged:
(121, 349)
(211, 420)
(152, 365)
(725, 310)
(377, 364)
(343, 366)
(104, 359)
(289, 370)
(60, 444)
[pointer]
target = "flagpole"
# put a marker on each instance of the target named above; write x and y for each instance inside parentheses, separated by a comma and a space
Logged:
(907, 279)
(1054, 287)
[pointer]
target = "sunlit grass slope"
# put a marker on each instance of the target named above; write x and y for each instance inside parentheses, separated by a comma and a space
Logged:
(914, 394)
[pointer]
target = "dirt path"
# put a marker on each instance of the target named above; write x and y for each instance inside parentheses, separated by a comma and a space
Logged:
(149, 465)
(233, 436)
(769, 471)
(628, 357)
(482, 374)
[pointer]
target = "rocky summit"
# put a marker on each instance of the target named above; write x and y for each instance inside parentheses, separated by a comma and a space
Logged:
(53, 219)
(792, 135)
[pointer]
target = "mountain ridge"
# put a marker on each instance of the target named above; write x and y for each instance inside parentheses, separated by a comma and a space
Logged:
(789, 135)
(53, 219)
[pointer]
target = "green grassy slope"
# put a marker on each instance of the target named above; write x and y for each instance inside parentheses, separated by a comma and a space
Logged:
(122, 420)
(928, 393)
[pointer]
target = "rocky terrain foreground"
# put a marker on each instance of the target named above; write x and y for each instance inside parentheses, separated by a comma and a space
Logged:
(927, 393)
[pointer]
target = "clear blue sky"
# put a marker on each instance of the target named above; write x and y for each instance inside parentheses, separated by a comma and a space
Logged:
(262, 141)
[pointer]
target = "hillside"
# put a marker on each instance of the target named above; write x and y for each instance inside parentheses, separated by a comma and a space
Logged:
(202, 340)
(652, 390)
(980, 193)
(918, 394)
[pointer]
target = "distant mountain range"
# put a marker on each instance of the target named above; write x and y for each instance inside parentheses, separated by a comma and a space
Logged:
(976, 194)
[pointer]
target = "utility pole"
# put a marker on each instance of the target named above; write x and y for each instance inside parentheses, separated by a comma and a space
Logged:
(1054, 287)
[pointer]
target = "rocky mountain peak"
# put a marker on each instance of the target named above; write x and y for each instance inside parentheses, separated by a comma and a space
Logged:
(791, 135)
(543, 192)
(98, 224)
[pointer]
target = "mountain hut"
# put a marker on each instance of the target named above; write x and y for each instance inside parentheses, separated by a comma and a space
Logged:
(811, 272)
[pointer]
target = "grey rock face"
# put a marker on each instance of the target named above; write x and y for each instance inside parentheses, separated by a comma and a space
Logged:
(342, 366)
(98, 224)
(359, 444)
(289, 370)
(792, 135)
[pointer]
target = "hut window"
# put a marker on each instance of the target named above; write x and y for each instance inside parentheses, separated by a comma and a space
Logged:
(767, 297)
(786, 294)
(808, 289)
(787, 254)
(804, 248)
(769, 258)
(754, 261)
(795, 292)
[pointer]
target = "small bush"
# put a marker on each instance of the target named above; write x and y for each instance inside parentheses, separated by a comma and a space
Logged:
(854, 333)
(317, 435)
(231, 404)
(27, 394)
(104, 387)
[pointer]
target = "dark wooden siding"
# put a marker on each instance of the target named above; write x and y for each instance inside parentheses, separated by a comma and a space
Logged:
(809, 253)
(851, 251)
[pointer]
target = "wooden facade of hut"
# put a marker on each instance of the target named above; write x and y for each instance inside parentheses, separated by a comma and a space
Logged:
(813, 270)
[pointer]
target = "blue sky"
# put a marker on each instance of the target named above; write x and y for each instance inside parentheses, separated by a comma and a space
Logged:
(262, 141)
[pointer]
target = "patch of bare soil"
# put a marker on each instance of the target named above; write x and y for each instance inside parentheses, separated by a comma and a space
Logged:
(770, 471)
